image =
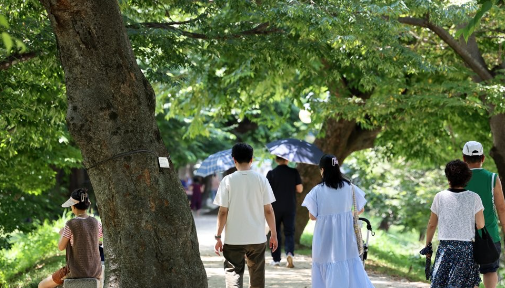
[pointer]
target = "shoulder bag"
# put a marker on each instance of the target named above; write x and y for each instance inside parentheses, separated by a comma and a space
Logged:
(355, 219)
(484, 251)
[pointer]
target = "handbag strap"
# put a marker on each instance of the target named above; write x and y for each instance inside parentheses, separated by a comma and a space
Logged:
(484, 233)
(353, 199)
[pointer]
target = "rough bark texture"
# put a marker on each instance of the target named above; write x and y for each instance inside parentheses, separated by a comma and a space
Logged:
(341, 138)
(497, 124)
(149, 233)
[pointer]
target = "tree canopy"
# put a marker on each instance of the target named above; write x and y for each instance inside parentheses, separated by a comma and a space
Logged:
(396, 67)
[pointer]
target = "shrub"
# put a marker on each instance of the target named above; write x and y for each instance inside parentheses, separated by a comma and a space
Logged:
(28, 249)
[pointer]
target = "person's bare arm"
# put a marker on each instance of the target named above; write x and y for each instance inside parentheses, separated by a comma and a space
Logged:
(270, 217)
(312, 217)
(432, 226)
(299, 188)
(479, 219)
(63, 242)
(222, 216)
(361, 211)
(499, 202)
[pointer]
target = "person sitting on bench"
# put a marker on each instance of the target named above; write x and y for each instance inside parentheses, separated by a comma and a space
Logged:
(80, 237)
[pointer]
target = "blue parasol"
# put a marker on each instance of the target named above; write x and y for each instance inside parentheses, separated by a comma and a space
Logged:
(296, 150)
(217, 162)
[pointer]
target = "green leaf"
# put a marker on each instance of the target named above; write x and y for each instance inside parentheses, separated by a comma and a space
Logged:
(3, 21)
(20, 45)
(468, 30)
(7, 41)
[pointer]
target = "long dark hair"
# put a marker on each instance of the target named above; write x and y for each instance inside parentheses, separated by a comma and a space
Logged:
(332, 177)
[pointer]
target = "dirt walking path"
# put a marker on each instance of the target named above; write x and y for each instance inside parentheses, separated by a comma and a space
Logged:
(298, 277)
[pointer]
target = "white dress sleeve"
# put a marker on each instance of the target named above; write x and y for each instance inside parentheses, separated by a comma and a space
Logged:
(310, 201)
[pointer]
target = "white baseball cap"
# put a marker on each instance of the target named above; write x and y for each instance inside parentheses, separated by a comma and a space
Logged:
(473, 148)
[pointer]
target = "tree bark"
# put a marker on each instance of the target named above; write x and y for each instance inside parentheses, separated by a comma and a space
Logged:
(149, 234)
(342, 137)
(497, 123)
(384, 225)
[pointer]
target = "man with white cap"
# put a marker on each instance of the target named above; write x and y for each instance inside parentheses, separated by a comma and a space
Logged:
(489, 188)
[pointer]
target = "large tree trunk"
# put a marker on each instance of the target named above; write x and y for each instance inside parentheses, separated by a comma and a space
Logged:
(149, 233)
(342, 137)
(497, 123)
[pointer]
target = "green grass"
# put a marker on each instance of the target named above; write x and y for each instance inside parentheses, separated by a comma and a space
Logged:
(32, 276)
(32, 256)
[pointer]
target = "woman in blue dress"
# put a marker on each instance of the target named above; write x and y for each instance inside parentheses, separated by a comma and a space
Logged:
(335, 257)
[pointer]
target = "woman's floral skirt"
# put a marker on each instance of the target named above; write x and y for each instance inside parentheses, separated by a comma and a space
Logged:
(454, 266)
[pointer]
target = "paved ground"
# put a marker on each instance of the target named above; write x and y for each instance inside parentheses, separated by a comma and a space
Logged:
(298, 277)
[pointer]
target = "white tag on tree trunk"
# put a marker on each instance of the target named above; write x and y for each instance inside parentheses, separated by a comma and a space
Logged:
(164, 162)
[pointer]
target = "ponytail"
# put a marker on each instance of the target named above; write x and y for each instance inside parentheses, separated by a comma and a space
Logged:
(81, 194)
(332, 177)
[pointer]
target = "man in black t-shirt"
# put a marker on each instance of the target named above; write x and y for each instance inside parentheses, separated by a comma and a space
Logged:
(285, 182)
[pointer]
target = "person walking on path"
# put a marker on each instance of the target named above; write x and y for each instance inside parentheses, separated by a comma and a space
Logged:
(285, 182)
(335, 257)
(244, 199)
(196, 196)
(456, 211)
(488, 186)
(80, 237)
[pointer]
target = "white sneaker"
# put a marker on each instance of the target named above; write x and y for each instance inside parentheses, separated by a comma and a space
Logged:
(275, 263)
(290, 262)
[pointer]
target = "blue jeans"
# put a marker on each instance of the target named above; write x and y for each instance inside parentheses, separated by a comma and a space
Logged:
(288, 221)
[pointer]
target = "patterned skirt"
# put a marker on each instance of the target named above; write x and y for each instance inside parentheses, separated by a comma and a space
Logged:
(454, 266)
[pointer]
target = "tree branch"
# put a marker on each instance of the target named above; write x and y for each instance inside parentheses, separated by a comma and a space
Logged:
(443, 34)
(16, 58)
(167, 25)
(258, 30)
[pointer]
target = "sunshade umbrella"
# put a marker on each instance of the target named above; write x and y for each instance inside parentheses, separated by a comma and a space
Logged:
(427, 251)
(296, 150)
(217, 162)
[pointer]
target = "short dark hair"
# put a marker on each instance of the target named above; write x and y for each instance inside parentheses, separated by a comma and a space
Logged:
(458, 173)
(242, 152)
(280, 159)
(81, 194)
(473, 159)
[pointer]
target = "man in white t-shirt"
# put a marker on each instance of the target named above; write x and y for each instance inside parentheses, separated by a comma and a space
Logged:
(245, 199)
